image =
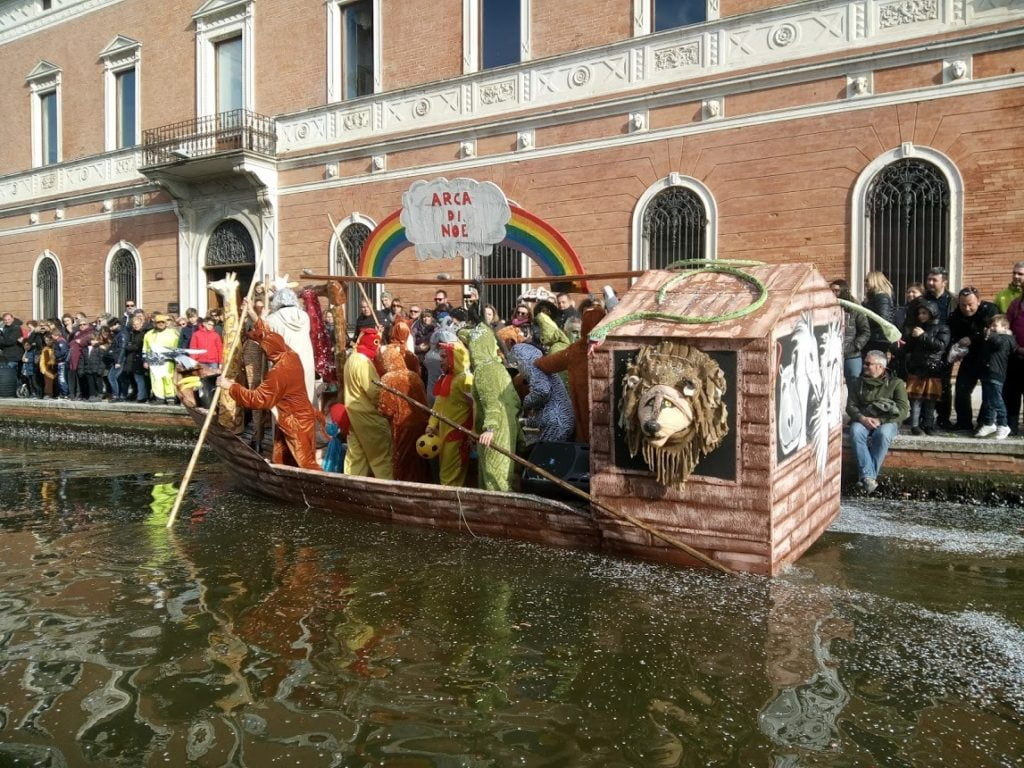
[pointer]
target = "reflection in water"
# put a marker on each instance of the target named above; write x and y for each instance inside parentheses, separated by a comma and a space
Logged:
(255, 635)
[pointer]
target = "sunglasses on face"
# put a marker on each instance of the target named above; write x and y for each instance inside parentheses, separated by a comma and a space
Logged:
(439, 298)
(522, 314)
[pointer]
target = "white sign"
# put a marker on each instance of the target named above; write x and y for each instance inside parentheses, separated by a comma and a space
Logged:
(458, 218)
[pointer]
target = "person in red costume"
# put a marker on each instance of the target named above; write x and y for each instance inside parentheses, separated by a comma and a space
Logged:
(407, 421)
(285, 388)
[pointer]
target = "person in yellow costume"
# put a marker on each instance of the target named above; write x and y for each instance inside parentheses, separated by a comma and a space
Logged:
(453, 398)
(161, 375)
(369, 437)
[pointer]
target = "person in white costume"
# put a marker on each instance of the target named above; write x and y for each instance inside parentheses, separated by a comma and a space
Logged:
(291, 321)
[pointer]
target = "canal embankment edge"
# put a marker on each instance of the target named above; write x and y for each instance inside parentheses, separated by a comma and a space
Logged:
(949, 466)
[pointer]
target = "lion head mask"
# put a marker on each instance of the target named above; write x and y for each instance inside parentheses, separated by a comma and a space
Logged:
(672, 409)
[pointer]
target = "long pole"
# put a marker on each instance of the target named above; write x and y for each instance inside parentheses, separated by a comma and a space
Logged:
(566, 486)
(352, 269)
(469, 281)
(228, 357)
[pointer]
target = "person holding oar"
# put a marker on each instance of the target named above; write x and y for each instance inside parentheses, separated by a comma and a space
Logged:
(284, 388)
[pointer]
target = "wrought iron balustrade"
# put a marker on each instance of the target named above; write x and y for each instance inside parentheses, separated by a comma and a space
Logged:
(210, 135)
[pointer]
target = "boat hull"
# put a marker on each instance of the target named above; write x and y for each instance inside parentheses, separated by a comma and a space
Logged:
(470, 511)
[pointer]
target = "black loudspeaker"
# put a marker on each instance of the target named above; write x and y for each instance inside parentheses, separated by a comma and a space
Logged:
(569, 462)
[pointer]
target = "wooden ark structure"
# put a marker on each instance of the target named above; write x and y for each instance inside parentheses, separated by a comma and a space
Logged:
(760, 498)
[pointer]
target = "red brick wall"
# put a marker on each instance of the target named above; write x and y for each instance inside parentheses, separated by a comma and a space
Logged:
(82, 252)
(561, 26)
(422, 42)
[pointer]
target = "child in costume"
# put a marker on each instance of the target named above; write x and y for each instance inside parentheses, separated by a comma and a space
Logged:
(369, 440)
(453, 398)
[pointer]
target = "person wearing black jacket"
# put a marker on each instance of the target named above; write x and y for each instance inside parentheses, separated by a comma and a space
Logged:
(924, 351)
(878, 298)
(937, 290)
(967, 326)
(11, 349)
(995, 354)
(115, 360)
(131, 359)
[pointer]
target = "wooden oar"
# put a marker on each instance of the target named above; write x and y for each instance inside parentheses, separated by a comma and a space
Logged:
(228, 357)
(358, 281)
(562, 484)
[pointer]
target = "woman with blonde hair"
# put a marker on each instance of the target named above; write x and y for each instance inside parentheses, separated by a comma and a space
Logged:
(878, 298)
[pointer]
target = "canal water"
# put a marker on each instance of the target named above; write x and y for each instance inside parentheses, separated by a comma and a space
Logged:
(260, 635)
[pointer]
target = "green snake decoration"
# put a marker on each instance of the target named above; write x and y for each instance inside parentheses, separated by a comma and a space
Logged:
(693, 267)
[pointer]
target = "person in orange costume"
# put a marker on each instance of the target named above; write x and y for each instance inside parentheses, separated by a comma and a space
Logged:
(407, 421)
(574, 360)
(285, 388)
(400, 335)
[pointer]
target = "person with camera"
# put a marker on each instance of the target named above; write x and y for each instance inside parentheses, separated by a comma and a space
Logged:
(877, 404)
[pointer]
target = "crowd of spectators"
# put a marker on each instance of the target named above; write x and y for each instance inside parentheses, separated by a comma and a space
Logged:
(949, 345)
(107, 358)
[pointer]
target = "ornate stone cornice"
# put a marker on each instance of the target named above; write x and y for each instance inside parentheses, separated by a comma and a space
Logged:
(663, 60)
(24, 17)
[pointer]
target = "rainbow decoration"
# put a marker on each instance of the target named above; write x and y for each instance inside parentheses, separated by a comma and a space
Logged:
(525, 232)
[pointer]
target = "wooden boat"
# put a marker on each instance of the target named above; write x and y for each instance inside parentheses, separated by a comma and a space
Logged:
(520, 516)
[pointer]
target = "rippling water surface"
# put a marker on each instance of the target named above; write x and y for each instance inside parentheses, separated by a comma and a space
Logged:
(261, 635)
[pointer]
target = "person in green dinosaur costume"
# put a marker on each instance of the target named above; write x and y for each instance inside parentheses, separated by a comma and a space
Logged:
(497, 408)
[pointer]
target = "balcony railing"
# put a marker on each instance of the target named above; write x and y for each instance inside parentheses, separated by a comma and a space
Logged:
(210, 135)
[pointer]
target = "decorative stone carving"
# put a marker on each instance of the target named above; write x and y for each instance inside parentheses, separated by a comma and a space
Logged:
(907, 12)
(783, 35)
(107, 206)
(712, 109)
(637, 121)
(331, 170)
(421, 108)
(467, 149)
(579, 77)
(524, 140)
(137, 201)
(496, 93)
(858, 85)
(677, 56)
(378, 162)
(355, 120)
(33, 218)
(58, 214)
(956, 70)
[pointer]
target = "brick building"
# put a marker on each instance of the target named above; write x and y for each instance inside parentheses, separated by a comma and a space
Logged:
(149, 147)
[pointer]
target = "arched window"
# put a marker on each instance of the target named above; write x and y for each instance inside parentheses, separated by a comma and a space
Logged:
(46, 296)
(230, 250)
(504, 261)
(907, 208)
(674, 220)
(350, 241)
(122, 278)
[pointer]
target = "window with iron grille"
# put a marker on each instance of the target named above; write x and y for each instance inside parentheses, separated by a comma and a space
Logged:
(908, 219)
(123, 281)
(230, 244)
(47, 289)
(352, 237)
(674, 228)
(503, 262)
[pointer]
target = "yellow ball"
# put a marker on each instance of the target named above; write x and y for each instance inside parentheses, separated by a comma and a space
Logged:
(428, 446)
